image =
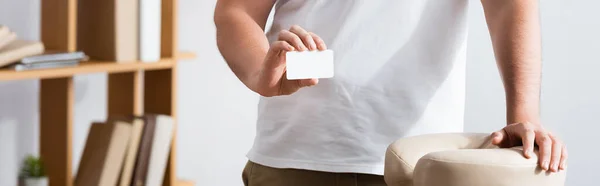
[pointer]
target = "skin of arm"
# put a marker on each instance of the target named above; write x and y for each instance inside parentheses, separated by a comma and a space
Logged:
(240, 36)
(514, 28)
(260, 65)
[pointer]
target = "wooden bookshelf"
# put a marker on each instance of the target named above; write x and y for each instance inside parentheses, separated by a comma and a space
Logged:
(93, 67)
(134, 88)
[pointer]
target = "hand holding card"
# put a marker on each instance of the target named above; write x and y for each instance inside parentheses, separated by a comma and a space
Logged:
(309, 64)
(296, 60)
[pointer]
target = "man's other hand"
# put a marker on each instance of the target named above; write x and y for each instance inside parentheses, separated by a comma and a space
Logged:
(552, 152)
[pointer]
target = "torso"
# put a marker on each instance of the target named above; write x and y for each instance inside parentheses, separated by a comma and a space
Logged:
(399, 71)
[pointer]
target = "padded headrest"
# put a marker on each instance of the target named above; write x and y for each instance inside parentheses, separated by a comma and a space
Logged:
(461, 159)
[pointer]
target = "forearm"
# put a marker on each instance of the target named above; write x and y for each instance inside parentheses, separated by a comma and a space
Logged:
(242, 43)
(515, 32)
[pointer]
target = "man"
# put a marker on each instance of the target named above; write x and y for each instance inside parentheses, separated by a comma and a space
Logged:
(399, 71)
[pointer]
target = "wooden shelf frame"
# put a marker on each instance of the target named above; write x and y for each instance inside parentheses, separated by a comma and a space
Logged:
(93, 67)
(133, 88)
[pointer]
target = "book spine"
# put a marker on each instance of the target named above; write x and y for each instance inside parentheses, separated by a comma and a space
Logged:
(120, 135)
(161, 145)
(127, 30)
(149, 31)
(145, 148)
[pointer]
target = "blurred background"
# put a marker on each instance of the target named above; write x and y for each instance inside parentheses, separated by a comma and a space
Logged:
(217, 112)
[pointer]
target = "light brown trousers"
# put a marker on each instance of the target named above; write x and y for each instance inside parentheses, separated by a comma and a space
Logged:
(258, 175)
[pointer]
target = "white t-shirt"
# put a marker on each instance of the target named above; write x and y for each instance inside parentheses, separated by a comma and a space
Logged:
(399, 71)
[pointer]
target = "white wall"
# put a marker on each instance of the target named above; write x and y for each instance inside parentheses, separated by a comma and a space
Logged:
(217, 113)
(18, 99)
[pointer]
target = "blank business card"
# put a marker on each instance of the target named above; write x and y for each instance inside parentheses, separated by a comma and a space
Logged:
(309, 64)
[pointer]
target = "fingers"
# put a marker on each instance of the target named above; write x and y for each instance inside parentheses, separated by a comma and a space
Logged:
(498, 137)
(276, 52)
(320, 43)
(301, 39)
(295, 85)
(563, 158)
(307, 82)
(306, 37)
(278, 46)
(545, 144)
(552, 152)
(293, 39)
(556, 153)
(528, 139)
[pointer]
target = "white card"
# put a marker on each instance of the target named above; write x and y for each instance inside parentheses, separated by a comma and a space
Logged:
(309, 64)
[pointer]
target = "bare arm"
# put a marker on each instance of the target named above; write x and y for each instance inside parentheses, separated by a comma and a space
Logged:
(240, 35)
(515, 31)
(514, 27)
(259, 65)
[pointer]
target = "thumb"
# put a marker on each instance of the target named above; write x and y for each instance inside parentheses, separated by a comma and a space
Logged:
(307, 82)
(498, 137)
(276, 55)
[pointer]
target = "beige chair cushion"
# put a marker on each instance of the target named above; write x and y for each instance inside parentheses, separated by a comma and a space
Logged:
(461, 159)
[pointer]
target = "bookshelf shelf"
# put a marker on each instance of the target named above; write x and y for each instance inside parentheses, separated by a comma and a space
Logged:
(93, 67)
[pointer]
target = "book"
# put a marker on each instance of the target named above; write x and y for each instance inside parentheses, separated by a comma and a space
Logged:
(55, 56)
(140, 171)
(149, 31)
(103, 154)
(108, 30)
(7, 39)
(44, 65)
(137, 125)
(6, 36)
(161, 146)
(19, 49)
(4, 30)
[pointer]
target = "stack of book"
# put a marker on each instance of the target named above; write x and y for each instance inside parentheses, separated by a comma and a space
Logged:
(49, 60)
(134, 27)
(126, 151)
(30, 55)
